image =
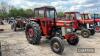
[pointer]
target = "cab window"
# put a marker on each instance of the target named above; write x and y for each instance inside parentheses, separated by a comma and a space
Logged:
(70, 16)
(36, 14)
(85, 16)
(78, 16)
(51, 13)
(41, 13)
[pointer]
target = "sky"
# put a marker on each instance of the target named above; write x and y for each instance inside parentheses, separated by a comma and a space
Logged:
(60, 5)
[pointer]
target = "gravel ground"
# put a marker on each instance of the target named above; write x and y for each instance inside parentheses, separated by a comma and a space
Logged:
(15, 44)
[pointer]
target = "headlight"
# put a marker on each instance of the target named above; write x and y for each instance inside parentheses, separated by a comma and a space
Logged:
(91, 25)
(68, 30)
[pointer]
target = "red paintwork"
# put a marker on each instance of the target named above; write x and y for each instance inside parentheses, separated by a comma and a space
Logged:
(50, 23)
(62, 23)
(90, 21)
(77, 21)
(97, 29)
(47, 24)
(97, 19)
(70, 36)
(47, 27)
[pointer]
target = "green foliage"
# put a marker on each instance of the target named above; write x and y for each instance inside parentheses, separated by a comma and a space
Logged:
(60, 14)
(3, 15)
(20, 12)
(29, 13)
(13, 12)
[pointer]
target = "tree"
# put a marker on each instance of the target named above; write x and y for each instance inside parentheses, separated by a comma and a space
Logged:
(13, 12)
(3, 15)
(60, 14)
(29, 13)
(21, 12)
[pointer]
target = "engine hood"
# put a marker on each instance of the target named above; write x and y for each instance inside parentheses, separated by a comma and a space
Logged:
(63, 23)
(87, 21)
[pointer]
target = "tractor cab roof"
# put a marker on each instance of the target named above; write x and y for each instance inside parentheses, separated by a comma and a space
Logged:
(45, 7)
(85, 13)
(70, 12)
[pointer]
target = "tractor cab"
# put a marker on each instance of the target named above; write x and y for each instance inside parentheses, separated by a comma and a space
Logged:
(72, 15)
(45, 16)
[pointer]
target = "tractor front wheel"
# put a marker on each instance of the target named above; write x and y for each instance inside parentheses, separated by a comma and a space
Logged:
(85, 33)
(57, 45)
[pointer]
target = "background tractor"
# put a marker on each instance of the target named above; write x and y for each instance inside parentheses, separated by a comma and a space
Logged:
(96, 19)
(84, 24)
(45, 23)
(18, 24)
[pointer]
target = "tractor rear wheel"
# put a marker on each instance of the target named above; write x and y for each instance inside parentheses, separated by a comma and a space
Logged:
(57, 45)
(73, 41)
(85, 33)
(33, 33)
(92, 31)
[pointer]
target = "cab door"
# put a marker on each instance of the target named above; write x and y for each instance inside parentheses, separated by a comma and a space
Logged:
(46, 22)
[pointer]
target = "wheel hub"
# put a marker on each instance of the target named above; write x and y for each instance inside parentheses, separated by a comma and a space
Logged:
(31, 32)
(56, 46)
(85, 34)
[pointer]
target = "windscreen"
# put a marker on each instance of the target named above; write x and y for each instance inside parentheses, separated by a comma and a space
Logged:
(70, 16)
(95, 16)
(51, 14)
(39, 13)
(85, 16)
(78, 16)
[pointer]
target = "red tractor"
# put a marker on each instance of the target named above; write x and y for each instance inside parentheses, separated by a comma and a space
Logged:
(45, 23)
(86, 25)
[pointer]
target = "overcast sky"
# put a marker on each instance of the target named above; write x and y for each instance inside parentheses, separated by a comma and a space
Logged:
(60, 5)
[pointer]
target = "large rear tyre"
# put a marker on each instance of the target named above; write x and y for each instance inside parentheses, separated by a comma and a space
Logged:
(73, 41)
(33, 33)
(57, 45)
(85, 33)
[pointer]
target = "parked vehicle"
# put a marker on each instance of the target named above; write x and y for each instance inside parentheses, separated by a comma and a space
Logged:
(45, 23)
(18, 24)
(96, 18)
(84, 24)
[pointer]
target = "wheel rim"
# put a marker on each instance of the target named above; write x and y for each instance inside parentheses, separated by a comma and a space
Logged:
(85, 34)
(56, 46)
(30, 32)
